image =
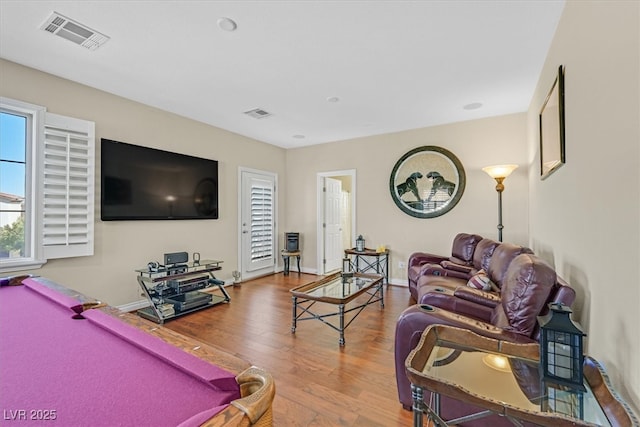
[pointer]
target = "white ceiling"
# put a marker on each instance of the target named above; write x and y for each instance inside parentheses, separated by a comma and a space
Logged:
(394, 65)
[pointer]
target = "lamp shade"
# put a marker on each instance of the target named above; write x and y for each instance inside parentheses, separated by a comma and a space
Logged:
(499, 171)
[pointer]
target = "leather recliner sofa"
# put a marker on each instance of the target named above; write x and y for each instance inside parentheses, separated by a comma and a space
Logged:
(527, 286)
(462, 250)
(444, 280)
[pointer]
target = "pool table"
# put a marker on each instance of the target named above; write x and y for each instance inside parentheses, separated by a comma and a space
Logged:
(66, 359)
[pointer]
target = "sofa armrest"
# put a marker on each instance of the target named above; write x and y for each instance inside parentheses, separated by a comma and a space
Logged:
(444, 299)
(432, 270)
(420, 258)
(477, 296)
(439, 270)
(429, 315)
(467, 269)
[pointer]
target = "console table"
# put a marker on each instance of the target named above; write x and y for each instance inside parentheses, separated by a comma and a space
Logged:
(369, 260)
(502, 378)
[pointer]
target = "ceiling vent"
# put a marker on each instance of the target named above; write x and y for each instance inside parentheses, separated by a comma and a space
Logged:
(257, 113)
(71, 30)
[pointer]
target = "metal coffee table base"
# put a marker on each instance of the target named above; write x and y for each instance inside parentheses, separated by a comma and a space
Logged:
(302, 311)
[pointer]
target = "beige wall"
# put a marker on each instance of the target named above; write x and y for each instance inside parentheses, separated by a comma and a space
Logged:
(122, 246)
(476, 143)
(585, 218)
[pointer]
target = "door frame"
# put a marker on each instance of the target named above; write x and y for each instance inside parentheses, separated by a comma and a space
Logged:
(320, 210)
(239, 267)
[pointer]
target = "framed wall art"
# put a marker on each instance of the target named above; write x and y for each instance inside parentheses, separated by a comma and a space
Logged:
(552, 152)
(427, 182)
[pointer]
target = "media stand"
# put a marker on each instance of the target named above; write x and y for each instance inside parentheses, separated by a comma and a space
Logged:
(176, 290)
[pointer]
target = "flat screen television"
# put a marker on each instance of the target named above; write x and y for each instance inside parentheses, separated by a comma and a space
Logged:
(140, 183)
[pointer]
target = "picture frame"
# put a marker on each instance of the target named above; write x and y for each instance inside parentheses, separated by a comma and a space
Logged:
(552, 134)
(427, 182)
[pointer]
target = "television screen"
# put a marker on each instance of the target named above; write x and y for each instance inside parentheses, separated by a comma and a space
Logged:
(144, 183)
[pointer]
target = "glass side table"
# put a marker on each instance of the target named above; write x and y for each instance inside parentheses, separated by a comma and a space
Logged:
(502, 378)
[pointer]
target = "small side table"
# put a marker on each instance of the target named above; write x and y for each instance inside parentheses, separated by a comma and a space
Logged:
(460, 364)
(370, 260)
(286, 257)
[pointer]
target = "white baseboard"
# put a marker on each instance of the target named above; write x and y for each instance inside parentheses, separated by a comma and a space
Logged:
(137, 305)
(399, 282)
(133, 306)
(295, 270)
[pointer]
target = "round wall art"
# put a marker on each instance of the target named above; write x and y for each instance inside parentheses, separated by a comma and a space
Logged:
(427, 182)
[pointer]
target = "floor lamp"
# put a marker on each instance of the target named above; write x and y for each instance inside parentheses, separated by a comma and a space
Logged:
(499, 173)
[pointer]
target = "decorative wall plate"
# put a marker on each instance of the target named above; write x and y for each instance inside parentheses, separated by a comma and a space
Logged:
(427, 182)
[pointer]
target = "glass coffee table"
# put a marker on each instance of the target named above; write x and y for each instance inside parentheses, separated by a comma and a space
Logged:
(502, 378)
(337, 290)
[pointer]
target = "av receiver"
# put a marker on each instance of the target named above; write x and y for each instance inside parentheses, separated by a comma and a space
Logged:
(189, 284)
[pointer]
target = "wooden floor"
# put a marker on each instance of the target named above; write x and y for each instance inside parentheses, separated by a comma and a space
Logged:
(318, 383)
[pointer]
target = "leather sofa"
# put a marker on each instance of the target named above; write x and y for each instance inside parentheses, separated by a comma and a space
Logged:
(480, 261)
(437, 279)
(524, 286)
(464, 246)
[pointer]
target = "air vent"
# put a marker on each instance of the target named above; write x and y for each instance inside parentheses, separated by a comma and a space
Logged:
(257, 113)
(73, 31)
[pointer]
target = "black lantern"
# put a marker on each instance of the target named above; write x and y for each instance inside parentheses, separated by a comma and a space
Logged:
(562, 400)
(360, 243)
(561, 351)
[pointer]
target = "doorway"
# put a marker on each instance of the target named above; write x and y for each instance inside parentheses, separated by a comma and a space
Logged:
(257, 239)
(336, 196)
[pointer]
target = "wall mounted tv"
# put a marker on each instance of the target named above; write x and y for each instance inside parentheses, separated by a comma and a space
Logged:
(140, 183)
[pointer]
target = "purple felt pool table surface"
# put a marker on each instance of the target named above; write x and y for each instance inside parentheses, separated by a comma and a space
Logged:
(63, 365)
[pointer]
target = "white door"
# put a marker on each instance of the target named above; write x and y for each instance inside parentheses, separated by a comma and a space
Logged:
(346, 220)
(257, 223)
(333, 250)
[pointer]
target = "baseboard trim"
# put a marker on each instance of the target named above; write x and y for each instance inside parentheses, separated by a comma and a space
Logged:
(295, 270)
(133, 306)
(137, 305)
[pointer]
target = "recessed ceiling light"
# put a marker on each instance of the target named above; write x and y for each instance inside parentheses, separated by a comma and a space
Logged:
(227, 24)
(298, 136)
(473, 106)
(333, 99)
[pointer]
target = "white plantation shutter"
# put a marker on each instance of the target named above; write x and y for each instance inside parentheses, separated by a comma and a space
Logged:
(262, 222)
(67, 187)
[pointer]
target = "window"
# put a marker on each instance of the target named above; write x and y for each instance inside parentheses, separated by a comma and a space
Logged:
(46, 186)
(13, 166)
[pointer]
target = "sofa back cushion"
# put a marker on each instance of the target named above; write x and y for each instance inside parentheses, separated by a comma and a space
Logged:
(561, 293)
(464, 245)
(483, 253)
(525, 291)
(501, 259)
